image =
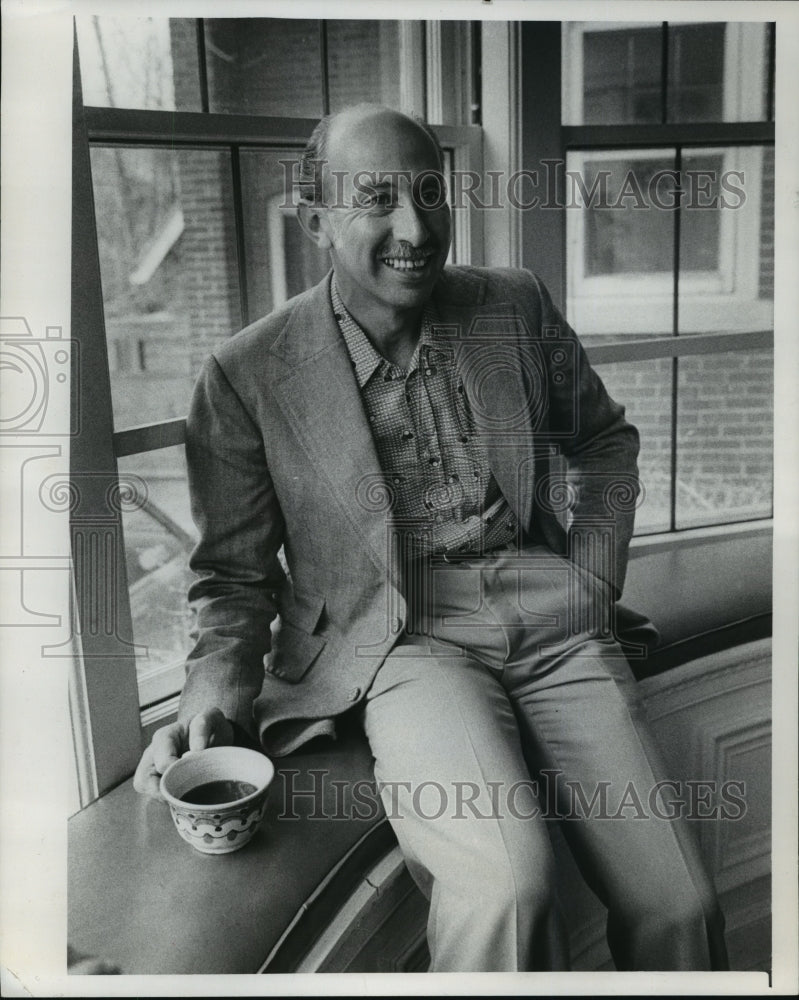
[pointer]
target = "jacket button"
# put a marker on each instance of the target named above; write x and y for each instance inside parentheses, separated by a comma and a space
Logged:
(354, 694)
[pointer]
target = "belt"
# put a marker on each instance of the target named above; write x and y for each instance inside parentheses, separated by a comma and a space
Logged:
(495, 528)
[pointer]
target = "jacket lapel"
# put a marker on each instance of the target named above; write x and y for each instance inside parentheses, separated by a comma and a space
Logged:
(504, 381)
(319, 396)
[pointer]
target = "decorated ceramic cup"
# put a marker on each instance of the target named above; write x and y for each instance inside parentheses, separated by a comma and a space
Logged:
(218, 796)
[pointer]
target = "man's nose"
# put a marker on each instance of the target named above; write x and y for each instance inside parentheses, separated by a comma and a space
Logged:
(408, 221)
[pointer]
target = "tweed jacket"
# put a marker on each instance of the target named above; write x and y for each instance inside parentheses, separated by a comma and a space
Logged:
(297, 594)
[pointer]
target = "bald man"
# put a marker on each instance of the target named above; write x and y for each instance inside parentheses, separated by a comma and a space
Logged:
(391, 430)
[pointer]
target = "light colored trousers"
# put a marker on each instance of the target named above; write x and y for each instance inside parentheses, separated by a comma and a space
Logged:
(512, 681)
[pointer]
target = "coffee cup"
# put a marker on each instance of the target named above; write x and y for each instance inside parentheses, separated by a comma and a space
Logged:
(217, 796)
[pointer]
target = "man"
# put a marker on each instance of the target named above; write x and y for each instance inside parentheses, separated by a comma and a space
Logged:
(393, 429)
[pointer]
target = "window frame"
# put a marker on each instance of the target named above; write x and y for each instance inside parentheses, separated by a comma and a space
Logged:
(544, 233)
(729, 293)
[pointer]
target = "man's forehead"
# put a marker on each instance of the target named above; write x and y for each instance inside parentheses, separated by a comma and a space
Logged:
(380, 142)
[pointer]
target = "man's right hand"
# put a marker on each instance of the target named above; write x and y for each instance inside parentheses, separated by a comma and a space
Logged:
(207, 729)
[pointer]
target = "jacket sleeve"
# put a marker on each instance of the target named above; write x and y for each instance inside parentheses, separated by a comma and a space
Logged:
(600, 449)
(236, 562)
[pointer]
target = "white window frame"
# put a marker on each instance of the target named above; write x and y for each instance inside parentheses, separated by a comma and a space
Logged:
(627, 302)
(742, 92)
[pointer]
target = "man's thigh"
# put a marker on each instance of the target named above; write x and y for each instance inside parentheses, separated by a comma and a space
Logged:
(450, 766)
(542, 624)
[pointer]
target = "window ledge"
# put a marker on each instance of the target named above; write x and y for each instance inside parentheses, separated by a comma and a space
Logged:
(144, 900)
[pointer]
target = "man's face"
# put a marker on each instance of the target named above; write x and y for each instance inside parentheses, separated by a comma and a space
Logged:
(387, 218)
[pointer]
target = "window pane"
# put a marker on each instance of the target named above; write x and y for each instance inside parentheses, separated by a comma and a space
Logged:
(159, 536)
(139, 62)
(170, 282)
(620, 241)
(264, 66)
(612, 75)
(621, 76)
(644, 388)
(625, 233)
(727, 240)
(457, 72)
(281, 260)
(696, 72)
(717, 72)
(724, 437)
(363, 60)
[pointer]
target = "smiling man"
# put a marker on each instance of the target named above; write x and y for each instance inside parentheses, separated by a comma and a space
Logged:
(393, 430)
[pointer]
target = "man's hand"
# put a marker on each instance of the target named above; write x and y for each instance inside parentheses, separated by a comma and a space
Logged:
(207, 729)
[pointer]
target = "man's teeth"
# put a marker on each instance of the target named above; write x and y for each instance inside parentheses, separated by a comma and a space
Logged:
(403, 264)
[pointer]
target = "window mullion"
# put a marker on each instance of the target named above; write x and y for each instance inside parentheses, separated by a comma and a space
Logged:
(664, 73)
(202, 65)
(670, 134)
(325, 67)
(103, 626)
(241, 250)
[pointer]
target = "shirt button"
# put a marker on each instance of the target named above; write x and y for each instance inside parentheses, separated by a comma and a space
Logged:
(430, 371)
(476, 473)
(454, 478)
(398, 480)
(407, 435)
(463, 439)
(435, 460)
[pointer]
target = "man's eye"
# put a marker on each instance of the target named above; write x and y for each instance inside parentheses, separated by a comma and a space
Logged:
(374, 199)
(433, 195)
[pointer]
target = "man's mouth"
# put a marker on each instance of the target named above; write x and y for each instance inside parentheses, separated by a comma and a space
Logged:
(407, 263)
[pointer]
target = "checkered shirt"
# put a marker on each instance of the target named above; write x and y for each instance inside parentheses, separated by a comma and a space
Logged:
(444, 498)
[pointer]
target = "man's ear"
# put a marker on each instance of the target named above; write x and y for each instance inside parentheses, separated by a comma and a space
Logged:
(314, 224)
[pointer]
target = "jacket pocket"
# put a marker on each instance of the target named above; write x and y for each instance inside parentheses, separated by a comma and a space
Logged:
(303, 609)
(295, 646)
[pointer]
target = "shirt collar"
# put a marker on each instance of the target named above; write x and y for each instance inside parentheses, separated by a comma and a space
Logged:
(365, 359)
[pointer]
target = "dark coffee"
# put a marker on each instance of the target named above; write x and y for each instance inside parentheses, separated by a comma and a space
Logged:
(212, 793)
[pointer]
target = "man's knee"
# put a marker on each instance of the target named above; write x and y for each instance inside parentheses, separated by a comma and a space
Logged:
(692, 912)
(520, 876)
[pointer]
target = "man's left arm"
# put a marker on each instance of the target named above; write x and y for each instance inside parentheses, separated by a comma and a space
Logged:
(600, 448)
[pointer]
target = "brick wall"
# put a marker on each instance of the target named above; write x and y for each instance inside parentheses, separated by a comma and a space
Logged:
(208, 251)
(724, 434)
(766, 289)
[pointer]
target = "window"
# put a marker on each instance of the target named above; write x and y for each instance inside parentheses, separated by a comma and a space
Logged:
(638, 73)
(631, 228)
(189, 138)
(663, 163)
(194, 127)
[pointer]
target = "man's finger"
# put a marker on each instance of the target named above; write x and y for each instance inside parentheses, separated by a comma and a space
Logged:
(146, 780)
(168, 745)
(209, 729)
